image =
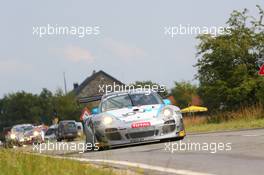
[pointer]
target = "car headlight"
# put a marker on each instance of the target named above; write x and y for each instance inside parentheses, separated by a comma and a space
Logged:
(35, 133)
(107, 120)
(12, 136)
(27, 138)
(167, 113)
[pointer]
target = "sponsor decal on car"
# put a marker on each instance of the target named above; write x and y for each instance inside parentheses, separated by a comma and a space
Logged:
(140, 124)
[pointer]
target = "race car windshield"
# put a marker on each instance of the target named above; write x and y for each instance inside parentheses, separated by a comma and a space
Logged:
(27, 128)
(23, 128)
(116, 102)
(129, 100)
(18, 130)
(145, 99)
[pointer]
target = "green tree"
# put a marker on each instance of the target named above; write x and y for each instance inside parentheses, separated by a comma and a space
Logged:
(20, 107)
(66, 106)
(183, 93)
(228, 64)
(46, 104)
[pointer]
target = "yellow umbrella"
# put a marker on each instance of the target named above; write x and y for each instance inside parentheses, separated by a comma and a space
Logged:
(194, 109)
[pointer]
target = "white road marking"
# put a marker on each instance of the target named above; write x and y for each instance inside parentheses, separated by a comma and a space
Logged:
(141, 165)
(132, 164)
(250, 135)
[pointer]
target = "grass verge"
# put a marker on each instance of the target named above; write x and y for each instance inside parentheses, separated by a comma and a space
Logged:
(244, 118)
(18, 163)
(229, 125)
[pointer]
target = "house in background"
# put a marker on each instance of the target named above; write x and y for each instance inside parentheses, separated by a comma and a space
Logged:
(91, 85)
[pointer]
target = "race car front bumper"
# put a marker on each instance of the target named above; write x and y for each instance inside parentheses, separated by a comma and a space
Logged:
(118, 136)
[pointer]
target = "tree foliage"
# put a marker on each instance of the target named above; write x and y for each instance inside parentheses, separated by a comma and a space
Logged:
(22, 107)
(228, 64)
(184, 93)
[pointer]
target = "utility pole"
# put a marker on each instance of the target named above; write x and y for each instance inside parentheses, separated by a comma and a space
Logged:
(65, 85)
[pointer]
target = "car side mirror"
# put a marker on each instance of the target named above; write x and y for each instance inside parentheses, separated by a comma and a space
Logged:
(95, 110)
(166, 101)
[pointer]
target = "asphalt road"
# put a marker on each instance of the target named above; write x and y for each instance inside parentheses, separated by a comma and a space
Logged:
(239, 153)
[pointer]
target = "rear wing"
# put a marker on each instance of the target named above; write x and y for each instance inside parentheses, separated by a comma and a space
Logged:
(90, 99)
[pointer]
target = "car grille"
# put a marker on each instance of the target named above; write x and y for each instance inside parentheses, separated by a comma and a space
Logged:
(112, 134)
(169, 122)
(111, 130)
(142, 134)
(169, 126)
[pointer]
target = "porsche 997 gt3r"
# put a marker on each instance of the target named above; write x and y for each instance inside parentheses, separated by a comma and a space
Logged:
(133, 117)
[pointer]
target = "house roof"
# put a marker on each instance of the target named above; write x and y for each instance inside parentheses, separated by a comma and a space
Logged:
(92, 77)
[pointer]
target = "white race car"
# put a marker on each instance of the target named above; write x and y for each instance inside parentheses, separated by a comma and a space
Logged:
(133, 117)
(18, 132)
(24, 134)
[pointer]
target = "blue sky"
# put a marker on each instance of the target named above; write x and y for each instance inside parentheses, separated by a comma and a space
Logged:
(131, 45)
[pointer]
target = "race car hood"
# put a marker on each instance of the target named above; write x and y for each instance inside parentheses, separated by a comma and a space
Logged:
(137, 113)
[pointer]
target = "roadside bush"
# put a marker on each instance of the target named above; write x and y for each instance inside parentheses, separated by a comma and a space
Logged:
(244, 113)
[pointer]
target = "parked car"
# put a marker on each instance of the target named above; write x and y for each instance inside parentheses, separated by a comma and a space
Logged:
(133, 117)
(79, 128)
(67, 129)
(51, 133)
